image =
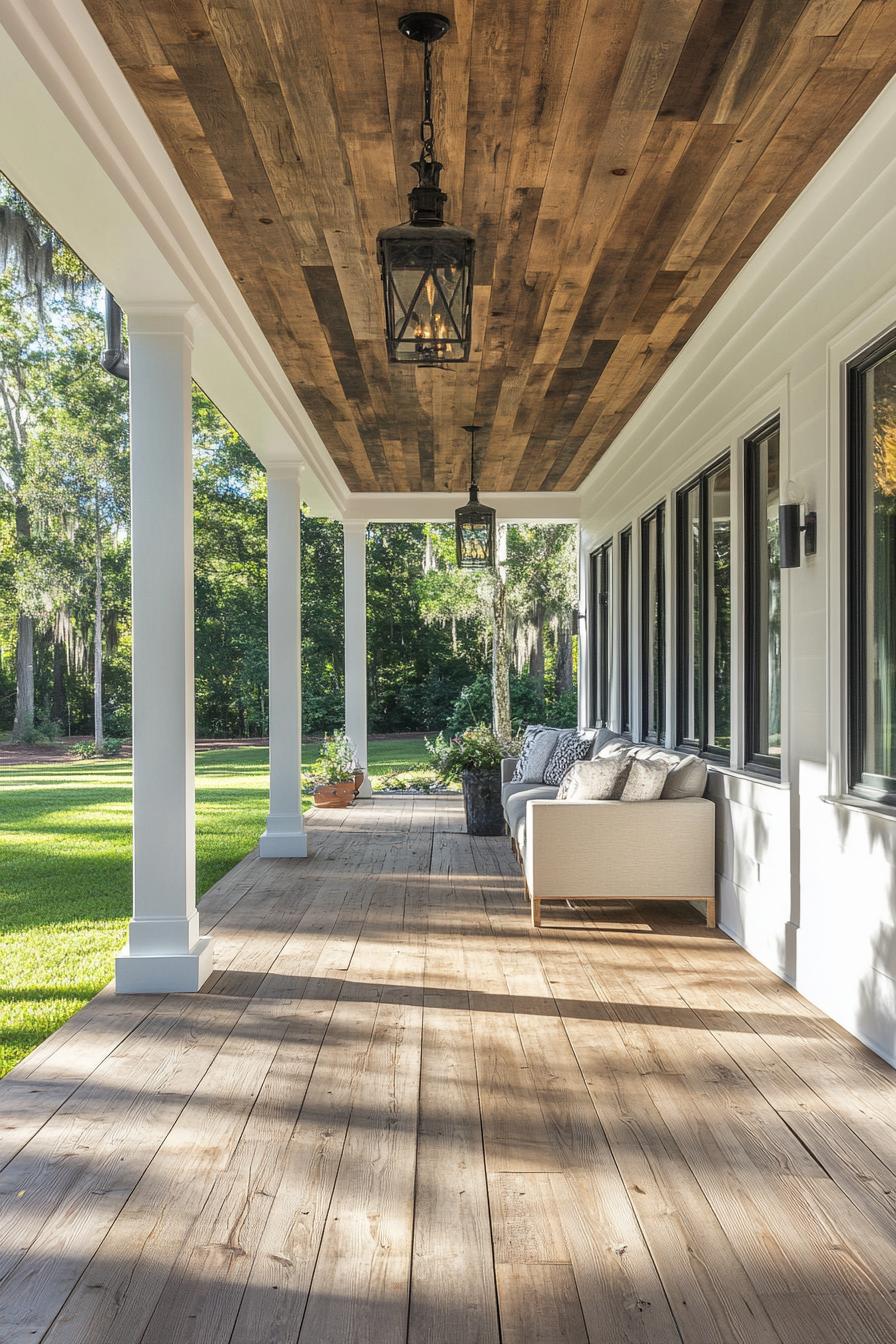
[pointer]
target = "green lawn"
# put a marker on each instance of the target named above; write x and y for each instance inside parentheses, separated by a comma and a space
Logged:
(65, 870)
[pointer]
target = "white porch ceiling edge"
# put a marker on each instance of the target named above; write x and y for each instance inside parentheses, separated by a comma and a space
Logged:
(75, 141)
(438, 507)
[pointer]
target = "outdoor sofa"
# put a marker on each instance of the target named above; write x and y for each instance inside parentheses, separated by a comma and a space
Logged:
(612, 850)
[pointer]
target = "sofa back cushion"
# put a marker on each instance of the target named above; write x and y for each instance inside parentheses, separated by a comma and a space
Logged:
(686, 777)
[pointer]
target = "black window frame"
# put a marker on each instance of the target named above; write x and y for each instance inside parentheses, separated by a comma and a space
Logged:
(624, 624)
(655, 515)
(863, 784)
(758, 762)
(601, 578)
(700, 482)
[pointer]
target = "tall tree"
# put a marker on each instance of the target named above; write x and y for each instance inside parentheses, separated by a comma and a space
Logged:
(36, 264)
(501, 724)
(81, 455)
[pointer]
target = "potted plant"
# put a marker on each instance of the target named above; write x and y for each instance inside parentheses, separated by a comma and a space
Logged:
(474, 757)
(334, 772)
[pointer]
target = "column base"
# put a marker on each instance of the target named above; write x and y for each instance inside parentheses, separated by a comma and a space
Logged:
(164, 973)
(284, 838)
(365, 790)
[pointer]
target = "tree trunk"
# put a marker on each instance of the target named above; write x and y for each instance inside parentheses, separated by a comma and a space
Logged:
(98, 629)
(23, 721)
(563, 673)
(536, 661)
(58, 713)
(501, 725)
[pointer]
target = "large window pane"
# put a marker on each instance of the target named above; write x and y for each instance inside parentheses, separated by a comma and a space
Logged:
(763, 497)
(600, 634)
(690, 602)
(872, 575)
(718, 614)
(653, 628)
(703, 612)
(625, 631)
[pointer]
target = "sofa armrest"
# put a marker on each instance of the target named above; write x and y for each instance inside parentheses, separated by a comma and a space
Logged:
(620, 849)
(508, 765)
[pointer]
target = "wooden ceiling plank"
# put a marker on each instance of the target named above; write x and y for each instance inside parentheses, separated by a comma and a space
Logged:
(247, 58)
(660, 193)
(590, 281)
(653, 55)
(496, 53)
(713, 33)
(128, 32)
(758, 47)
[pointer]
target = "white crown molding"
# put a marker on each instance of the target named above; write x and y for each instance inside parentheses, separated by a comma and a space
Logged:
(438, 507)
(75, 140)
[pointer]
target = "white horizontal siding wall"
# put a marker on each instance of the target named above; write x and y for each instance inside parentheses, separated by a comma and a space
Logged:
(805, 883)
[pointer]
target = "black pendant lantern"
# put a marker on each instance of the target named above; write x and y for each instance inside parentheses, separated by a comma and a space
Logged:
(474, 523)
(426, 264)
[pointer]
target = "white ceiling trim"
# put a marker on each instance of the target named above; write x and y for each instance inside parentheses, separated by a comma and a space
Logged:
(77, 143)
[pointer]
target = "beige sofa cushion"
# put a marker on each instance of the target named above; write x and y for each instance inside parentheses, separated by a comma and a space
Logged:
(591, 780)
(644, 780)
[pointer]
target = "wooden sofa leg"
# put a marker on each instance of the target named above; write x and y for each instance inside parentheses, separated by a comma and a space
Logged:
(711, 913)
(536, 912)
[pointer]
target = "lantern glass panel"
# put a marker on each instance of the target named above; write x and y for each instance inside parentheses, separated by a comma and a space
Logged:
(428, 295)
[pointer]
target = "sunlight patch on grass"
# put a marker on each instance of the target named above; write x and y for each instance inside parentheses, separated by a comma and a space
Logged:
(65, 870)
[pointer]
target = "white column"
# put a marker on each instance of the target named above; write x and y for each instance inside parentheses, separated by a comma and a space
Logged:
(354, 536)
(284, 836)
(164, 951)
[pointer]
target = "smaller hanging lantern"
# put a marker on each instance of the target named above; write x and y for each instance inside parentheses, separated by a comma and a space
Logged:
(426, 264)
(474, 523)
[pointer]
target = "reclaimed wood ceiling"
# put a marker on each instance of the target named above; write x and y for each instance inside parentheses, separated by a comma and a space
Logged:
(618, 161)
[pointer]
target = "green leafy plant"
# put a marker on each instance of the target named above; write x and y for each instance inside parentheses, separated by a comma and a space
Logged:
(409, 781)
(88, 751)
(476, 749)
(336, 761)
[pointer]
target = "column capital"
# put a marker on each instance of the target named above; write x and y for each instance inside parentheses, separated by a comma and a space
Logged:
(161, 319)
(290, 470)
(355, 525)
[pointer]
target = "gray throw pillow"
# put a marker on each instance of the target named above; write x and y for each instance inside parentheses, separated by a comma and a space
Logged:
(571, 746)
(538, 747)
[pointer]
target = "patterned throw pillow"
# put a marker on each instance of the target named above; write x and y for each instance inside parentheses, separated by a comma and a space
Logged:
(590, 781)
(536, 751)
(645, 781)
(571, 746)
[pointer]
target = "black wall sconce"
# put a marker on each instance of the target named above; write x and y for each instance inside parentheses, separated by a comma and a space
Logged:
(790, 528)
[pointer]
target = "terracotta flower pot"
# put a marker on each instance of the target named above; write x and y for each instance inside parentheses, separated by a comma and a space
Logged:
(335, 795)
(358, 781)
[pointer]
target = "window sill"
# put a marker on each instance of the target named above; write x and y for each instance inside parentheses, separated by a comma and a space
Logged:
(853, 803)
(744, 773)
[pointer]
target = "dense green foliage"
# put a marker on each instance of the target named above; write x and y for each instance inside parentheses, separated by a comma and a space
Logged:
(64, 556)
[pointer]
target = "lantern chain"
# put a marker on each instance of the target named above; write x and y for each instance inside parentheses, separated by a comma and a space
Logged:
(427, 130)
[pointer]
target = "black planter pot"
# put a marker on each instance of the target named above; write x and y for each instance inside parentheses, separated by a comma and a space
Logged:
(482, 801)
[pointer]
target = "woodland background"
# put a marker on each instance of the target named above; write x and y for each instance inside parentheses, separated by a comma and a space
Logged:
(64, 556)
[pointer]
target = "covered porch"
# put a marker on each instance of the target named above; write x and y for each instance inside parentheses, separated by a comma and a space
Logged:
(396, 1112)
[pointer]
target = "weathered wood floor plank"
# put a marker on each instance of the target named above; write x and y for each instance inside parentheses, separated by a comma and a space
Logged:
(397, 1114)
